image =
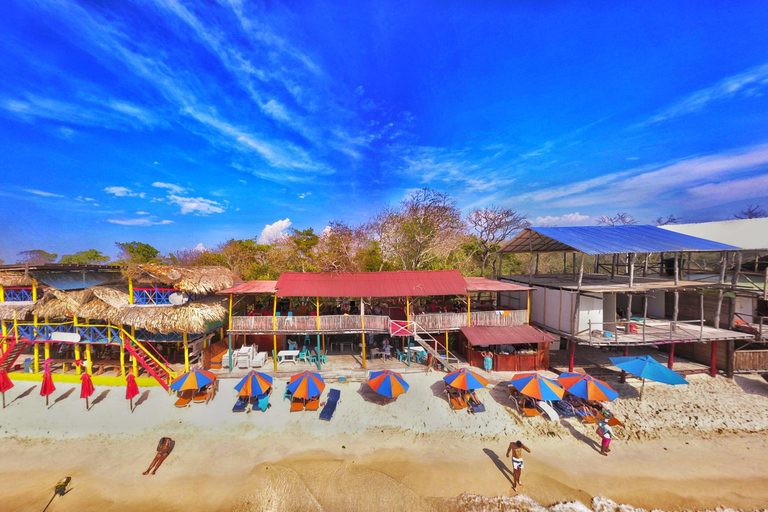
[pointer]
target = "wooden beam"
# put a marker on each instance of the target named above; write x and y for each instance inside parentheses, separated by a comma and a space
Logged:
(631, 270)
(677, 269)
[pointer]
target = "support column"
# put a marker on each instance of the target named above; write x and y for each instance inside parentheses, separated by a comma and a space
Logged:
(528, 306)
(274, 334)
(713, 361)
(135, 366)
(79, 365)
(37, 357)
(623, 377)
(671, 361)
(230, 333)
(122, 360)
(186, 353)
(362, 325)
(88, 362)
(571, 354)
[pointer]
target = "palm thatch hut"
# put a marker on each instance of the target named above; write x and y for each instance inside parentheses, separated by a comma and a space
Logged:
(196, 280)
(57, 303)
(18, 310)
(15, 279)
(192, 317)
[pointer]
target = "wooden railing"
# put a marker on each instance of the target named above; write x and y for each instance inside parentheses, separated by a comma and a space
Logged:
(431, 322)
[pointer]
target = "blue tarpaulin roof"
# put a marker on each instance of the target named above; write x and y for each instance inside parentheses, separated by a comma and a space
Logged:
(74, 279)
(608, 240)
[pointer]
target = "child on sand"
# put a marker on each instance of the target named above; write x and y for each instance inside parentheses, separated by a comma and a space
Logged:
(606, 434)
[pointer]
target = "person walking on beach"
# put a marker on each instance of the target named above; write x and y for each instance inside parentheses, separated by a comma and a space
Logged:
(516, 449)
(606, 434)
(164, 448)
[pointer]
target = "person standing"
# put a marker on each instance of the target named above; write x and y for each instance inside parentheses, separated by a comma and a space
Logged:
(606, 434)
(516, 449)
(487, 360)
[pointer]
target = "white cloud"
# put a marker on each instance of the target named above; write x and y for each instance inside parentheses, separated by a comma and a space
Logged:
(156, 163)
(41, 193)
(200, 248)
(714, 193)
(123, 192)
(569, 219)
(304, 194)
(173, 189)
(142, 212)
(139, 222)
(747, 82)
(196, 205)
(274, 231)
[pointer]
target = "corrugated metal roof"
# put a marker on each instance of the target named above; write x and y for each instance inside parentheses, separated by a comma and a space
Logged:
(749, 234)
(75, 279)
(251, 287)
(506, 335)
(482, 284)
(412, 283)
(608, 240)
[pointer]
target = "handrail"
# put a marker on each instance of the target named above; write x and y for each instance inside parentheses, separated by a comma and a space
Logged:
(171, 374)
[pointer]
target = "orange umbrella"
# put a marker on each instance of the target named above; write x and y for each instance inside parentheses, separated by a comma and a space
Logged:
(5, 384)
(131, 389)
(87, 388)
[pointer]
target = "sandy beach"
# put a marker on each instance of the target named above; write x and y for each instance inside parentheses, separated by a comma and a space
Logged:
(693, 447)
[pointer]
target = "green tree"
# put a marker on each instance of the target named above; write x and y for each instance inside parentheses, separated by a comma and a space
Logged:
(303, 243)
(89, 257)
(37, 257)
(137, 253)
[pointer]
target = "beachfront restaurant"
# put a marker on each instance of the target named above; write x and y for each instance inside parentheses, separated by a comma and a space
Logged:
(519, 348)
(353, 313)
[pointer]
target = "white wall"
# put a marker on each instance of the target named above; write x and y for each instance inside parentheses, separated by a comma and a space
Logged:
(590, 308)
(656, 304)
(745, 306)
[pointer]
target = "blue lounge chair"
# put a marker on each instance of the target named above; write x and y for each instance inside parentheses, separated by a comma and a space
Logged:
(261, 403)
(334, 396)
(474, 404)
(241, 405)
(564, 408)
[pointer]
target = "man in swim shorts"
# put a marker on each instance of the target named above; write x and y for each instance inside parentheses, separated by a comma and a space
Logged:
(516, 449)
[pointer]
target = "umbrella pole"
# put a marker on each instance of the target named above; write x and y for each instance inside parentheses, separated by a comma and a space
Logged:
(3, 399)
(86, 403)
(131, 400)
(641, 389)
(46, 400)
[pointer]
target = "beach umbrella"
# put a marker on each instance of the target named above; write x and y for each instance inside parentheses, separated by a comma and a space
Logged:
(306, 385)
(388, 383)
(131, 389)
(587, 387)
(254, 384)
(465, 379)
(647, 367)
(47, 388)
(5, 384)
(538, 387)
(86, 389)
(196, 378)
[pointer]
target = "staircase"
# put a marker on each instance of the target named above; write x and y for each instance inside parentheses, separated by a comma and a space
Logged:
(9, 357)
(154, 364)
(429, 343)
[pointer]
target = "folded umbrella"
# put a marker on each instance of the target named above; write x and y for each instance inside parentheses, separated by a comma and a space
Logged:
(387, 383)
(47, 388)
(86, 389)
(647, 367)
(5, 384)
(306, 384)
(131, 389)
(538, 387)
(587, 387)
(465, 379)
(254, 384)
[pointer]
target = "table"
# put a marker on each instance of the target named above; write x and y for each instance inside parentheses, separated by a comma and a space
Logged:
(288, 355)
(415, 351)
(380, 353)
(344, 344)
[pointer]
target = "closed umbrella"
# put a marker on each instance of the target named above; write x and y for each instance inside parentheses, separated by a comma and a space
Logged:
(388, 383)
(47, 388)
(465, 379)
(538, 387)
(131, 389)
(86, 389)
(587, 387)
(5, 384)
(647, 367)
(306, 384)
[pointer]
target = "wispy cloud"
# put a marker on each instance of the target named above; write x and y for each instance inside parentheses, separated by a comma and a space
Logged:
(123, 192)
(42, 193)
(568, 219)
(713, 193)
(142, 221)
(172, 188)
(745, 83)
(196, 205)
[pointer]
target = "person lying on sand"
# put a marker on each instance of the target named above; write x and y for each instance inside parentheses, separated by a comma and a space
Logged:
(517, 460)
(164, 448)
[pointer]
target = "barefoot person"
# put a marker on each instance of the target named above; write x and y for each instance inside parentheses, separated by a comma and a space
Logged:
(606, 434)
(487, 360)
(164, 448)
(516, 449)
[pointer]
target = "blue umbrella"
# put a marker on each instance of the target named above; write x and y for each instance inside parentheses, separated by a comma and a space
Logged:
(647, 367)
(388, 383)
(254, 384)
(538, 387)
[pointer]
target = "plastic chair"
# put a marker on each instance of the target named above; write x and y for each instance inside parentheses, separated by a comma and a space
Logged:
(292, 345)
(287, 395)
(312, 358)
(402, 356)
(323, 357)
(304, 355)
(306, 339)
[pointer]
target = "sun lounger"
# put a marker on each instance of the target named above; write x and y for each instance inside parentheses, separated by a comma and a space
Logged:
(474, 404)
(241, 404)
(525, 405)
(564, 409)
(334, 396)
(297, 405)
(313, 404)
(455, 399)
(547, 410)
(185, 398)
(201, 396)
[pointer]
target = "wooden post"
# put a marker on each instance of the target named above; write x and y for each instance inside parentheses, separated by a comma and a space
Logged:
(2, 293)
(362, 324)
(528, 305)
(701, 320)
(34, 290)
(573, 258)
(274, 333)
(736, 269)
(718, 309)
(661, 264)
(631, 270)
(671, 361)
(469, 309)
(730, 349)
(597, 264)
(623, 377)
(122, 359)
(645, 314)
(688, 266)
(446, 345)
(135, 367)
(645, 264)
(614, 260)
(37, 357)
(577, 298)
(186, 353)
(565, 263)
(571, 354)
(765, 284)
(537, 264)
(675, 309)
(677, 269)
(713, 362)
(130, 291)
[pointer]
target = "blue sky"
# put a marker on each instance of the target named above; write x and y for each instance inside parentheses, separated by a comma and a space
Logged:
(180, 123)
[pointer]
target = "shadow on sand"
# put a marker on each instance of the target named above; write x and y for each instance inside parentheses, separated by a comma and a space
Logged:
(142, 398)
(438, 389)
(64, 396)
(581, 437)
(370, 396)
(101, 397)
(753, 386)
(22, 395)
(501, 466)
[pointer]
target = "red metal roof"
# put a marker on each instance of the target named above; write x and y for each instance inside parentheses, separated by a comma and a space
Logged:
(482, 284)
(411, 283)
(251, 287)
(506, 335)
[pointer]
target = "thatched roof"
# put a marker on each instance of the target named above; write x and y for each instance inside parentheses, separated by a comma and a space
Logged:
(97, 309)
(198, 280)
(20, 309)
(97, 303)
(15, 279)
(57, 303)
(190, 318)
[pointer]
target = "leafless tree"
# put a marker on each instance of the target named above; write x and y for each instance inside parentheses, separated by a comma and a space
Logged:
(493, 225)
(753, 211)
(620, 219)
(422, 229)
(669, 219)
